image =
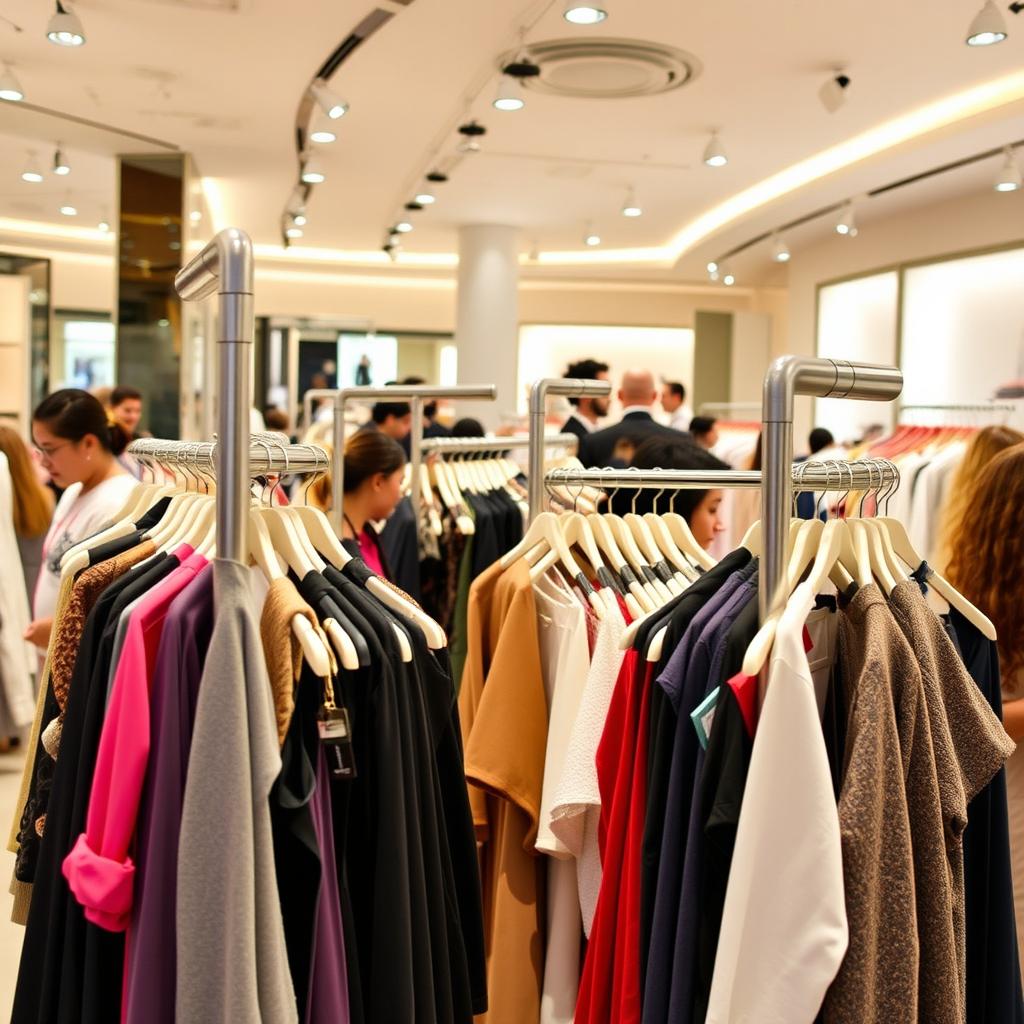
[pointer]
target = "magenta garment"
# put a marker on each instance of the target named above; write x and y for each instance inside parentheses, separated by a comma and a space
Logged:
(99, 870)
(328, 978)
(371, 555)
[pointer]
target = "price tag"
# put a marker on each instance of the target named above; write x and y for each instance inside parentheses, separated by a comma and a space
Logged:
(336, 738)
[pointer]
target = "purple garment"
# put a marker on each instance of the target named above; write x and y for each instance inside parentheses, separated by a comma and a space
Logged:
(683, 680)
(151, 967)
(328, 980)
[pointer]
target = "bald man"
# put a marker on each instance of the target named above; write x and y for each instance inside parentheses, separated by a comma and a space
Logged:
(637, 394)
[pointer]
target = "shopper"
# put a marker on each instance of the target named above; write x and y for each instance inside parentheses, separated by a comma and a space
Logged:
(637, 395)
(79, 447)
(468, 427)
(32, 504)
(393, 419)
(819, 439)
(959, 511)
(700, 508)
(586, 411)
(987, 566)
(126, 408)
(373, 487)
(704, 431)
(673, 401)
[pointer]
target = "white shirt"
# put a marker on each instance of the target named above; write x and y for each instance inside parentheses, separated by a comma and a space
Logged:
(680, 419)
(575, 806)
(76, 517)
(565, 659)
(784, 929)
(929, 494)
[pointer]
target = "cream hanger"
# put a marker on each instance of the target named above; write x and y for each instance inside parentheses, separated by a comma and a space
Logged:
(644, 537)
(658, 595)
(261, 549)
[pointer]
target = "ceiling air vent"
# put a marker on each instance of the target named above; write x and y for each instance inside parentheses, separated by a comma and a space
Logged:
(607, 68)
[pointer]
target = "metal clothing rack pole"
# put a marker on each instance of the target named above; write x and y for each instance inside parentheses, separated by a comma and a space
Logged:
(267, 456)
(1003, 407)
(538, 411)
(307, 403)
(786, 378)
(225, 266)
(415, 394)
(722, 407)
(460, 445)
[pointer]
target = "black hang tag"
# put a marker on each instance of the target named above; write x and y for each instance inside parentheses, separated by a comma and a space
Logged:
(336, 739)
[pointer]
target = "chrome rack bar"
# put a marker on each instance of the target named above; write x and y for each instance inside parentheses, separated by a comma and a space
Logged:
(267, 455)
(722, 407)
(307, 403)
(415, 394)
(225, 266)
(788, 377)
(538, 409)
(458, 445)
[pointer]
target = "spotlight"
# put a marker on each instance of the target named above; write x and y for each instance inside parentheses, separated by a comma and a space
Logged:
(425, 199)
(323, 136)
(712, 266)
(64, 27)
(631, 208)
(988, 27)
(833, 93)
(403, 226)
(312, 172)
(579, 13)
(329, 102)
(847, 223)
(1009, 179)
(522, 68)
(591, 237)
(60, 163)
(10, 87)
(104, 225)
(392, 251)
(293, 232)
(299, 219)
(510, 94)
(468, 146)
(439, 177)
(714, 152)
(728, 277)
(472, 129)
(68, 208)
(32, 172)
(780, 251)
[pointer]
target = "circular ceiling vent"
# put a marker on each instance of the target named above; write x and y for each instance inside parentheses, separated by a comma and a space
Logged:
(607, 68)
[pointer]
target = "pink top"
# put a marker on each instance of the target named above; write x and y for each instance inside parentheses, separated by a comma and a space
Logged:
(371, 556)
(99, 870)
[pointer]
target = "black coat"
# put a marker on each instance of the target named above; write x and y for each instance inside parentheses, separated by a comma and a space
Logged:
(596, 449)
(573, 426)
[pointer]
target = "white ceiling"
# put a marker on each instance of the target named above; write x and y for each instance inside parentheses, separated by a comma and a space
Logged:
(223, 79)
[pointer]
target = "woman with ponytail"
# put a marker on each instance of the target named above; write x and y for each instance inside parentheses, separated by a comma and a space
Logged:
(78, 446)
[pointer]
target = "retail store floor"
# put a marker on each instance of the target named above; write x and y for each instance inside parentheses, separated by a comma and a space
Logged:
(10, 934)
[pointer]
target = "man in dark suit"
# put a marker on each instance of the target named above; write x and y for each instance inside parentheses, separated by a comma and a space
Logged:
(586, 411)
(637, 395)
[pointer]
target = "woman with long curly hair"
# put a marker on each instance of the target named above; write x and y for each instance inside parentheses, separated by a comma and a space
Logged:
(986, 564)
(959, 510)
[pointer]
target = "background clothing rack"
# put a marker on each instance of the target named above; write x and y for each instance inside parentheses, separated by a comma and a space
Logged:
(415, 395)
(721, 410)
(466, 445)
(267, 455)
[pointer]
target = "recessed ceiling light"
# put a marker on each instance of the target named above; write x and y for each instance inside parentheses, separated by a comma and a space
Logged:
(299, 219)
(323, 136)
(60, 162)
(65, 28)
(293, 232)
(780, 251)
(712, 267)
(32, 173)
(847, 223)
(312, 172)
(104, 226)
(631, 208)
(68, 209)
(988, 27)
(510, 94)
(591, 237)
(728, 277)
(425, 198)
(403, 226)
(10, 87)
(714, 152)
(1009, 179)
(579, 13)
(330, 103)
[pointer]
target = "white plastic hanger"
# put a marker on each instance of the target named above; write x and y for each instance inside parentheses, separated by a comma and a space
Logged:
(638, 601)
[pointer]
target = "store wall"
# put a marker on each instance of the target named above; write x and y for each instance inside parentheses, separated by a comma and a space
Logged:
(975, 221)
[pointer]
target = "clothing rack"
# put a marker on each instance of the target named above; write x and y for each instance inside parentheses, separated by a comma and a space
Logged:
(569, 388)
(307, 403)
(1005, 408)
(225, 267)
(269, 454)
(466, 445)
(721, 408)
(415, 394)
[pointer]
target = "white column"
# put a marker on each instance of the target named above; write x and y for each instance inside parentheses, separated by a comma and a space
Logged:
(487, 318)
